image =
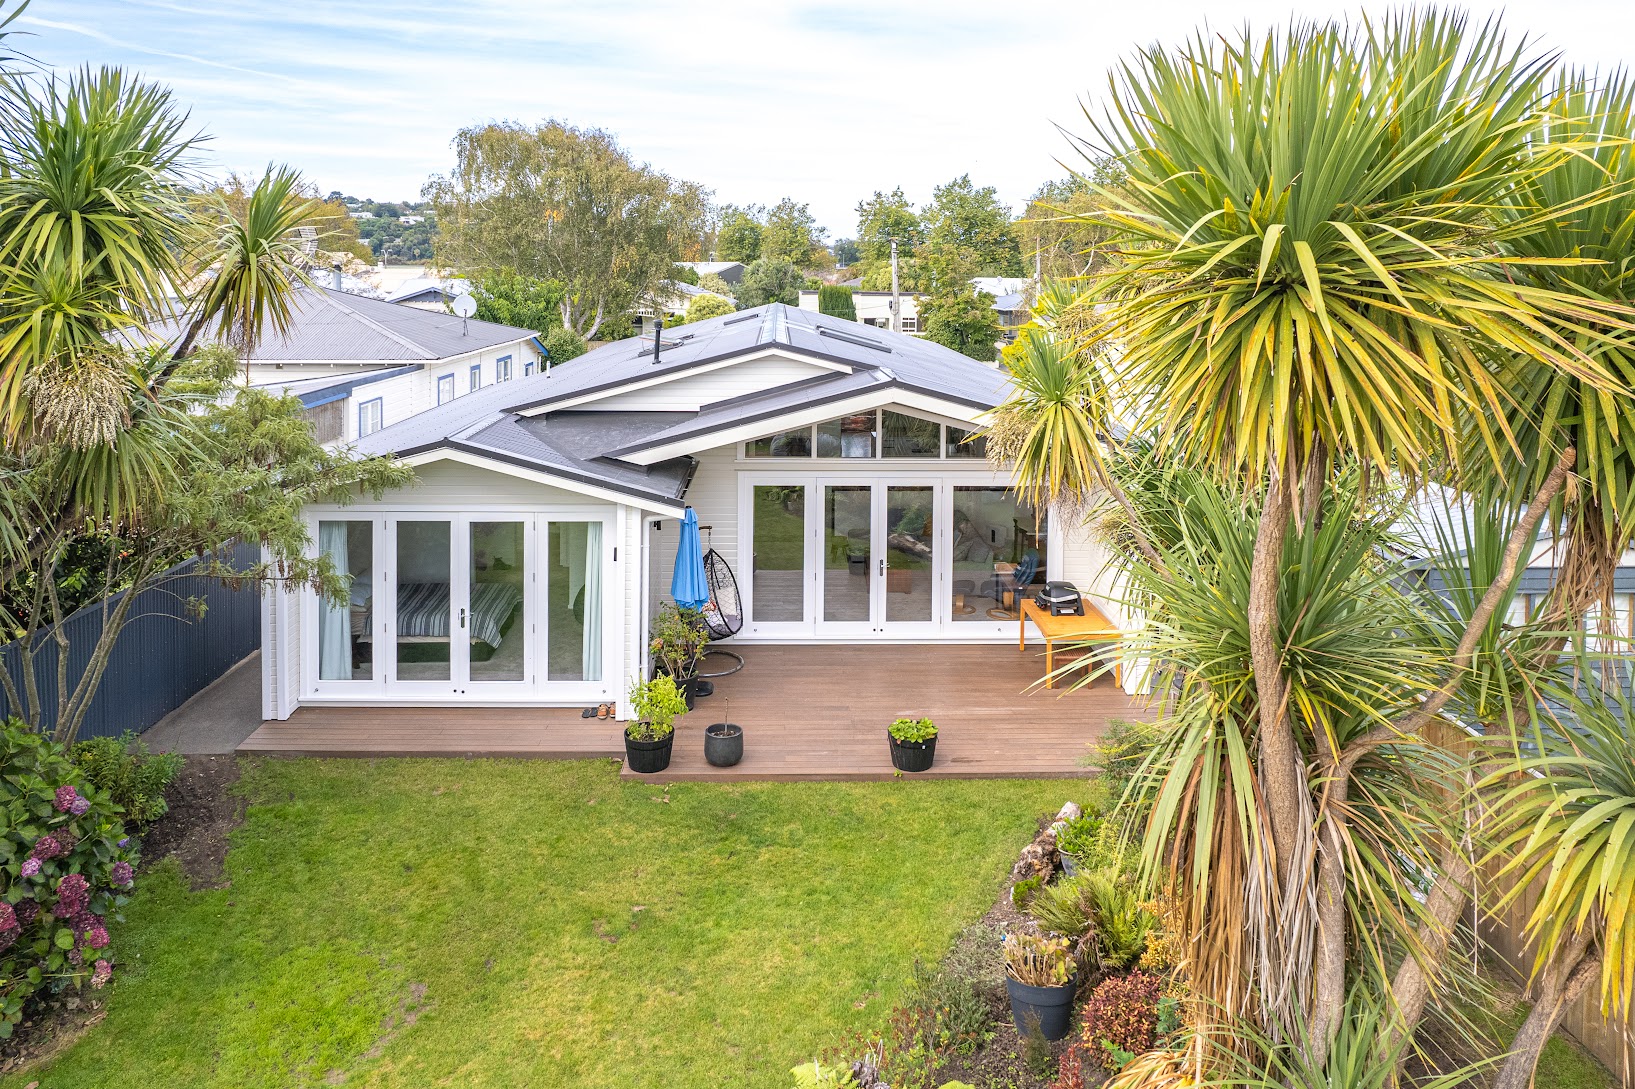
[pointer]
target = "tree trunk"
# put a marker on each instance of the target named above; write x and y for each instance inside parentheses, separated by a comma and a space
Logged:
(1328, 975)
(1281, 769)
(1411, 988)
(1563, 981)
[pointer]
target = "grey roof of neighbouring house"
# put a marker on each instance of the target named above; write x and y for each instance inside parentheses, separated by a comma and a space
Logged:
(326, 324)
(312, 392)
(589, 445)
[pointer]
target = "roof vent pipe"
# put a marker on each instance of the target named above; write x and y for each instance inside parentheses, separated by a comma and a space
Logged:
(658, 331)
(335, 276)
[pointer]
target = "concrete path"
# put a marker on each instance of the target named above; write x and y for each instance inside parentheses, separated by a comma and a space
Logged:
(217, 719)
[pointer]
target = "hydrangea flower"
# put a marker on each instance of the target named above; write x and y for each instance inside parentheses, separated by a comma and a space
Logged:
(76, 958)
(72, 893)
(31, 867)
(80, 806)
(47, 846)
(66, 797)
(101, 974)
(122, 873)
(27, 912)
(8, 916)
(97, 936)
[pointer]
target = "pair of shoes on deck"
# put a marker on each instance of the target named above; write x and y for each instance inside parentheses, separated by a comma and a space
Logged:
(601, 710)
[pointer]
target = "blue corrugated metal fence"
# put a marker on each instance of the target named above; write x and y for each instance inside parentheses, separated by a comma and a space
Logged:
(162, 657)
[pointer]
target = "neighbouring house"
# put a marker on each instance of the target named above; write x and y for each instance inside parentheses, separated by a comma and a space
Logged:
(429, 292)
(837, 469)
(360, 364)
(730, 271)
(874, 307)
(675, 300)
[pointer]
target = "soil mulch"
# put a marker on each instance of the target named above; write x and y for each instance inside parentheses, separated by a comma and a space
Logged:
(203, 811)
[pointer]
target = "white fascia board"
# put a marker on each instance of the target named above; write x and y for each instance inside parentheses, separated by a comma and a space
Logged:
(943, 411)
(538, 476)
(687, 372)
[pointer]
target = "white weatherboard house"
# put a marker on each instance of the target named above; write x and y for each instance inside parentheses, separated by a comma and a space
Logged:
(359, 364)
(829, 461)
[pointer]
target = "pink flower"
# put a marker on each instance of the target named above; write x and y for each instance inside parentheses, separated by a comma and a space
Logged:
(65, 798)
(31, 867)
(101, 974)
(46, 847)
(8, 916)
(72, 893)
(122, 873)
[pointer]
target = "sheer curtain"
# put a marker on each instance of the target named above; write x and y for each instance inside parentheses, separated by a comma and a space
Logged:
(334, 615)
(592, 648)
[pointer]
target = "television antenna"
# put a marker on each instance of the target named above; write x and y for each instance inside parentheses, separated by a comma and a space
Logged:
(307, 239)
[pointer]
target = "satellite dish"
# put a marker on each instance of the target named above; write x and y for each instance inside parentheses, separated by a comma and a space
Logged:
(464, 305)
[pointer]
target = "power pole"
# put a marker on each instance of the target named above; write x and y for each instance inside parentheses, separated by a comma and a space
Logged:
(896, 300)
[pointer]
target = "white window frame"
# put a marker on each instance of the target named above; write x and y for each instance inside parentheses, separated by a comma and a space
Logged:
(476, 377)
(445, 382)
(502, 369)
(879, 457)
(374, 407)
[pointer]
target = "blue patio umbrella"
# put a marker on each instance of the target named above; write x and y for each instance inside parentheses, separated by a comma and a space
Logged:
(687, 584)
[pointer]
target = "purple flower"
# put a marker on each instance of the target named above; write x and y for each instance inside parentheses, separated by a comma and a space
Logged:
(102, 973)
(76, 958)
(122, 873)
(46, 847)
(72, 893)
(125, 842)
(27, 912)
(8, 916)
(66, 797)
(31, 867)
(97, 936)
(80, 806)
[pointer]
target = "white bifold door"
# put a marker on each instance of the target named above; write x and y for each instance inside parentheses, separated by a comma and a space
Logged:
(466, 606)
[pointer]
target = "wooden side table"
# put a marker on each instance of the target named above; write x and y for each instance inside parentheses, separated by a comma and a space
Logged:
(1092, 627)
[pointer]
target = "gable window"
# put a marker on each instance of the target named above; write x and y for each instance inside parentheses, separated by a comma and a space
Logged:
(904, 436)
(502, 369)
(476, 377)
(445, 389)
(369, 417)
(847, 437)
(785, 444)
(527, 367)
(965, 444)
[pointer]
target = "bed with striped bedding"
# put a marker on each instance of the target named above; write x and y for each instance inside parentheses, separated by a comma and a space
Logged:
(423, 611)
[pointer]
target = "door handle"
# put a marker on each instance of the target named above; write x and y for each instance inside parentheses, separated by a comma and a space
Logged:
(462, 619)
(882, 566)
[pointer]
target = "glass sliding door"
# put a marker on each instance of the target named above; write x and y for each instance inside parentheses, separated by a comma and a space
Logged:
(347, 625)
(777, 568)
(911, 554)
(999, 553)
(497, 565)
(426, 627)
(848, 554)
(573, 601)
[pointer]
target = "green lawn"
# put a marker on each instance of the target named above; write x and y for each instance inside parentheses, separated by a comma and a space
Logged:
(533, 923)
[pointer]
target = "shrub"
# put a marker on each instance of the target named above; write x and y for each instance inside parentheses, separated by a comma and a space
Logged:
(1023, 892)
(1065, 907)
(960, 1018)
(913, 730)
(704, 307)
(132, 777)
(837, 301)
(1121, 1018)
(67, 868)
(1079, 837)
(657, 703)
(978, 959)
(564, 344)
(1071, 1073)
(1121, 921)
(678, 639)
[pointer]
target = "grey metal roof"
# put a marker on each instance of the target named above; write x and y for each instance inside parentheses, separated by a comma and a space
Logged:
(313, 392)
(587, 444)
(327, 324)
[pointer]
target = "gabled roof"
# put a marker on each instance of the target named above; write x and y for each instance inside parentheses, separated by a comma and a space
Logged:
(326, 324)
(516, 420)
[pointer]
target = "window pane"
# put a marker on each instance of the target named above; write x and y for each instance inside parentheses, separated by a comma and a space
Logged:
(346, 648)
(999, 551)
(847, 529)
(423, 610)
(904, 436)
(909, 537)
(498, 634)
(778, 562)
(573, 601)
(785, 444)
(847, 437)
(966, 444)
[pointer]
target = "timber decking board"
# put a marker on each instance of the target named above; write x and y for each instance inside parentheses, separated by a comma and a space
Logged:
(808, 712)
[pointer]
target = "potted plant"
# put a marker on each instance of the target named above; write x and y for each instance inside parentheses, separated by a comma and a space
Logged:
(650, 735)
(677, 645)
(913, 744)
(1041, 981)
(1075, 842)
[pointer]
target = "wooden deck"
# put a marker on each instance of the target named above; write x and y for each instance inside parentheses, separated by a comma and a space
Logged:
(808, 712)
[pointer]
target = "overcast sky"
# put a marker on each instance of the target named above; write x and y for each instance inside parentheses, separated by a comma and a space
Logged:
(825, 102)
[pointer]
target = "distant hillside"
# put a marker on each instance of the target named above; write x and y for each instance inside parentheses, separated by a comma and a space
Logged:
(381, 227)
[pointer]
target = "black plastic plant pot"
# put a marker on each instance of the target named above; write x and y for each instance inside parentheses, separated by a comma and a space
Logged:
(648, 757)
(689, 689)
(1070, 865)
(723, 744)
(912, 755)
(1050, 1007)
